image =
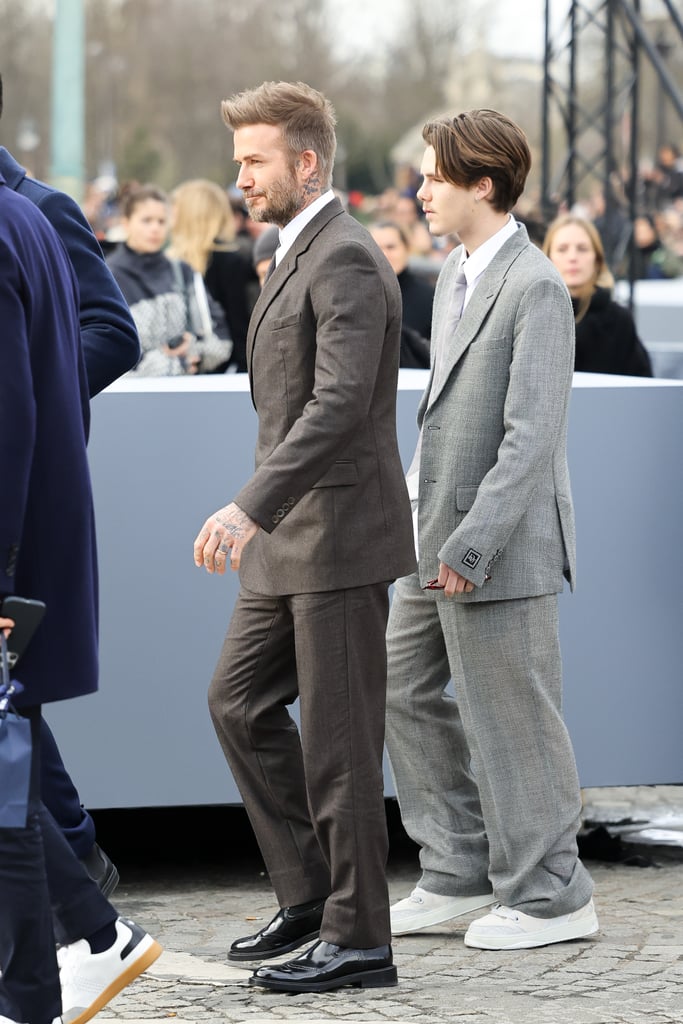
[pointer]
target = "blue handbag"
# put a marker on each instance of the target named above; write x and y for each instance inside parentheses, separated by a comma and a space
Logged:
(15, 751)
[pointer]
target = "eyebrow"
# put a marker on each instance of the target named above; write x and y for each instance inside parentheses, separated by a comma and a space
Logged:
(248, 156)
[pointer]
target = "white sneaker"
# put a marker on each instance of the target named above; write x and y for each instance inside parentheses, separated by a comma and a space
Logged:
(422, 909)
(90, 980)
(505, 928)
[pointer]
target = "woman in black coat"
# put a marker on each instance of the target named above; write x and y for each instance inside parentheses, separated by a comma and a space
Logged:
(606, 336)
(167, 300)
(417, 294)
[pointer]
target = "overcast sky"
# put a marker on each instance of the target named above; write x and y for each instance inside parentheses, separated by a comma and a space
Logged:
(515, 26)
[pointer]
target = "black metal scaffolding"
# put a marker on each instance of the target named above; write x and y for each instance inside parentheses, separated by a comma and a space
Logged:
(594, 53)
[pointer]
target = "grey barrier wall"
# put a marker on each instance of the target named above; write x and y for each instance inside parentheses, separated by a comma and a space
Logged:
(658, 312)
(167, 453)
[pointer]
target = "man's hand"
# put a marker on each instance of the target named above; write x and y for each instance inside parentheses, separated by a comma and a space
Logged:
(223, 535)
(452, 582)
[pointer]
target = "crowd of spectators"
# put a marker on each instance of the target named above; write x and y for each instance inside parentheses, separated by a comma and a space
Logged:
(211, 234)
(656, 232)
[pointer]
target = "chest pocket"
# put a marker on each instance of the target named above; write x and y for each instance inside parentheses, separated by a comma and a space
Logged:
(280, 323)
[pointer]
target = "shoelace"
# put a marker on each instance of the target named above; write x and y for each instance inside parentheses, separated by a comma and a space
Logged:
(500, 911)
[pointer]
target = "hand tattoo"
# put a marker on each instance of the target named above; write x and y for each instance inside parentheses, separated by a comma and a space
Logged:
(234, 520)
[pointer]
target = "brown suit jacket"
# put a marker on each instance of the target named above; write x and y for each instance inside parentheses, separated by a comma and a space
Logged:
(322, 354)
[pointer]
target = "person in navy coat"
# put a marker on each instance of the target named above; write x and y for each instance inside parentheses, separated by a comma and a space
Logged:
(108, 334)
(110, 347)
(47, 551)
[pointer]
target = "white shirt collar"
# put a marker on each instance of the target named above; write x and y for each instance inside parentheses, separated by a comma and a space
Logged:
(290, 232)
(475, 265)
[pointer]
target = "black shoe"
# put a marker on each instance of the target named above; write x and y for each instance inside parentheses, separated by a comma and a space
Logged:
(325, 966)
(290, 928)
(101, 870)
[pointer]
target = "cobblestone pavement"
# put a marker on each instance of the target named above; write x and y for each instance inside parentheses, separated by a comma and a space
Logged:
(631, 973)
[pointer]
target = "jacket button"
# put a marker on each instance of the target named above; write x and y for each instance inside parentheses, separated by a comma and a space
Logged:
(291, 501)
(280, 513)
(274, 519)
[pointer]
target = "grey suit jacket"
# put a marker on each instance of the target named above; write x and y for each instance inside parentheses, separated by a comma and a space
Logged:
(494, 494)
(322, 353)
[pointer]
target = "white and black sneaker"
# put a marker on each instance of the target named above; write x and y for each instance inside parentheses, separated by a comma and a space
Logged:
(90, 980)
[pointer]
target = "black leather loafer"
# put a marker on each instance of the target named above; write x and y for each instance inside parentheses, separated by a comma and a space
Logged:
(101, 869)
(326, 966)
(290, 928)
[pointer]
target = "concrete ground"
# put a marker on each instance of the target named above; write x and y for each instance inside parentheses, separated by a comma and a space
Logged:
(631, 973)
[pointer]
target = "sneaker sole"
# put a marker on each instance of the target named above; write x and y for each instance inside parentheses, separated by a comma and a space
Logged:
(561, 933)
(133, 971)
(427, 919)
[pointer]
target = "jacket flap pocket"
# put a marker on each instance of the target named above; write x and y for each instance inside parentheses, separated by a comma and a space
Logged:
(278, 322)
(340, 474)
(464, 498)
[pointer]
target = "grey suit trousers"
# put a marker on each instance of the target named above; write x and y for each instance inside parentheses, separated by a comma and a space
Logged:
(315, 796)
(486, 780)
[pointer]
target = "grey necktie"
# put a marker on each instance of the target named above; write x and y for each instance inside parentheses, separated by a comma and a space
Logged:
(445, 339)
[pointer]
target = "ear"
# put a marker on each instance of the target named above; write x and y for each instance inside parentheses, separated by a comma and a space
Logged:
(483, 189)
(307, 163)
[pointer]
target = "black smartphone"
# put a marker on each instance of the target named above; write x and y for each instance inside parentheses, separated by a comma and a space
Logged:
(27, 616)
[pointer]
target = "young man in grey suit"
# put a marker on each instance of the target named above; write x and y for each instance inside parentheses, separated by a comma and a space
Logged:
(486, 780)
(318, 532)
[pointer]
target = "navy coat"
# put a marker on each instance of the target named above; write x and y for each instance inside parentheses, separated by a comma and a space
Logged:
(47, 534)
(108, 334)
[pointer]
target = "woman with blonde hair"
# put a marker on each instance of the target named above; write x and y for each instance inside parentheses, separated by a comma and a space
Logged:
(606, 336)
(203, 235)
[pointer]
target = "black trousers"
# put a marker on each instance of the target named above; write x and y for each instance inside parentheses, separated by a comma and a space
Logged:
(61, 798)
(40, 877)
(315, 797)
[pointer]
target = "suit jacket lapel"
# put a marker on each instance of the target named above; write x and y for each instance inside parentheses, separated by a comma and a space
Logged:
(474, 316)
(285, 269)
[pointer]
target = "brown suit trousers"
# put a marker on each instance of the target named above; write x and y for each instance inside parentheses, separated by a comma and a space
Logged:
(315, 800)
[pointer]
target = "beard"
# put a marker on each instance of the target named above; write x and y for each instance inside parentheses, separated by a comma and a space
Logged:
(283, 201)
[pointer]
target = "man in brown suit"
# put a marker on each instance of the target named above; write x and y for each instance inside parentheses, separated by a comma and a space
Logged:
(318, 533)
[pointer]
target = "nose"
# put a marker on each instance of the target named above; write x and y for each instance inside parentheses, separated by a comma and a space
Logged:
(421, 194)
(244, 179)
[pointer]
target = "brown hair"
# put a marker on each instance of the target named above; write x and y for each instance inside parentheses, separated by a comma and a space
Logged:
(481, 144)
(602, 277)
(137, 194)
(304, 115)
